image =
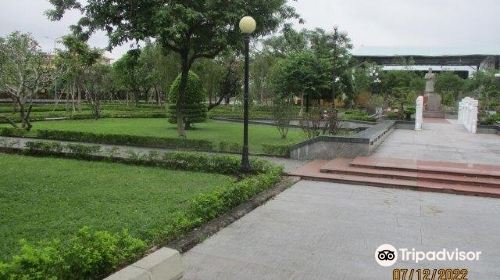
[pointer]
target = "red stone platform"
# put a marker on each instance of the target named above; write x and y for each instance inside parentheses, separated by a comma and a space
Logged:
(447, 177)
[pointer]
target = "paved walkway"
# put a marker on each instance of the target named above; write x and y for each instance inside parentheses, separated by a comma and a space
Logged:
(331, 231)
(442, 141)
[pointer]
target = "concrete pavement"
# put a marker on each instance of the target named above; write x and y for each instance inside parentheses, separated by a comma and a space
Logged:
(447, 141)
(320, 230)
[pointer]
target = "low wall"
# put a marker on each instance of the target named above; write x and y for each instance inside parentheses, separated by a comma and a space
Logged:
(330, 147)
(488, 129)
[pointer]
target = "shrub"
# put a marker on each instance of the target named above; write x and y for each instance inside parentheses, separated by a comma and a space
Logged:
(207, 206)
(358, 115)
(114, 139)
(44, 147)
(83, 150)
(281, 150)
(12, 132)
(87, 255)
(226, 147)
(223, 164)
(194, 108)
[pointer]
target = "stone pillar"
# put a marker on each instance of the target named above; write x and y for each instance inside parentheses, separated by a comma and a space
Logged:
(473, 116)
(419, 119)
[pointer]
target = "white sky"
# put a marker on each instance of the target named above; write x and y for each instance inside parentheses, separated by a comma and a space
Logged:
(375, 26)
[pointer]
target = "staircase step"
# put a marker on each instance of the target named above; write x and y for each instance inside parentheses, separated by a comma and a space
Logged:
(448, 168)
(311, 171)
(343, 166)
(434, 114)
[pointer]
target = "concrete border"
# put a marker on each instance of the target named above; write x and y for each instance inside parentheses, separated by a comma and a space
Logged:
(164, 264)
(488, 129)
(330, 147)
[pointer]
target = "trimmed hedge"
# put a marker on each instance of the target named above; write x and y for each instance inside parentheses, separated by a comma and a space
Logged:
(87, 255)
(114, 139)
(194, 108)
(220, 164)
(357, 115)
(281, 150)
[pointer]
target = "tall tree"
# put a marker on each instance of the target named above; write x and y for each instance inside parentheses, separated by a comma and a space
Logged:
(72, 63)
(193, 29)
(23, 72)
(129, 75)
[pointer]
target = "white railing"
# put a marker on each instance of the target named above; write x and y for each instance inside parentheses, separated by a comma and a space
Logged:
(419, 111)
(467, 114)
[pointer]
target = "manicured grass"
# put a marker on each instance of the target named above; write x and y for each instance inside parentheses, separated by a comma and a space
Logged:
(46, 198)
(213, 131)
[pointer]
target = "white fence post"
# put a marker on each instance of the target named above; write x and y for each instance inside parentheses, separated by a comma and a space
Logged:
(467, 114)
(419, 110)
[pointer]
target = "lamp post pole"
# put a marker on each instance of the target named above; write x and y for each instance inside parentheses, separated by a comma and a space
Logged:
(247, 27)
(245, 162)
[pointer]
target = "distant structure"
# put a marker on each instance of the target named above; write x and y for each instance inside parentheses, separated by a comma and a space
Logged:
(462, 61)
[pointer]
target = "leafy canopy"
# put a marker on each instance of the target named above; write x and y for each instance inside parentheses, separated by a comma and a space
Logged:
(199, 28)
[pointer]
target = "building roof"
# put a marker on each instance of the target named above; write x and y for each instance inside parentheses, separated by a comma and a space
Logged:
(427, 51)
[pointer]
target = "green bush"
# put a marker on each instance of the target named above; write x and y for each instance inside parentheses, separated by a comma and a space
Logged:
(205, 207)
(226, 147)
(87, 255)
(45, 147)
(114, 139)
(83, 150)
(223, 164)
(194, 108)
(281, 150)
(12, 132)
(257, 112)
(357, 115)
(489, 119)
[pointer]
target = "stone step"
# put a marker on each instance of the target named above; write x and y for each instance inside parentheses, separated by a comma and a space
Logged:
(343, 166)
(312, 171)
(448, 168)
(434, 114)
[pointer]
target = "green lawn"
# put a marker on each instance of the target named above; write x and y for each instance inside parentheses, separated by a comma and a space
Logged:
(213, 131)
(45, 198)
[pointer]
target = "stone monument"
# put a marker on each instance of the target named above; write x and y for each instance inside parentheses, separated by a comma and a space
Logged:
(432, 108)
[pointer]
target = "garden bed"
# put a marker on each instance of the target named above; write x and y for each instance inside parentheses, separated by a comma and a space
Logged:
(73, 193)
(158, 133)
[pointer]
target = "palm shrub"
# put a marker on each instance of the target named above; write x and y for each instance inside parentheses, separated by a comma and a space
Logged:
(194, 108)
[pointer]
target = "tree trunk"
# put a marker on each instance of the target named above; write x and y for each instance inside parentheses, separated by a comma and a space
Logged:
(182, 92)
(79, 100)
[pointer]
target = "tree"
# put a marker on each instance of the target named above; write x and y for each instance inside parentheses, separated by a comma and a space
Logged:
(401, 88)
(450, 86)
(95, 81)
(486, 87)
(336, 48)
(23, 72)
(159, 69)
(193, 29)
(72, 64)
(282, 114)
(129, 75)
(301, 74)
(194, 109)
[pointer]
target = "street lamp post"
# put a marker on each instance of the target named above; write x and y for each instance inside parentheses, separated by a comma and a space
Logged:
(247, 27)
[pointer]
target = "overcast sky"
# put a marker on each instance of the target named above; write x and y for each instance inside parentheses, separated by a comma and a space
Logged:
(375, 26)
